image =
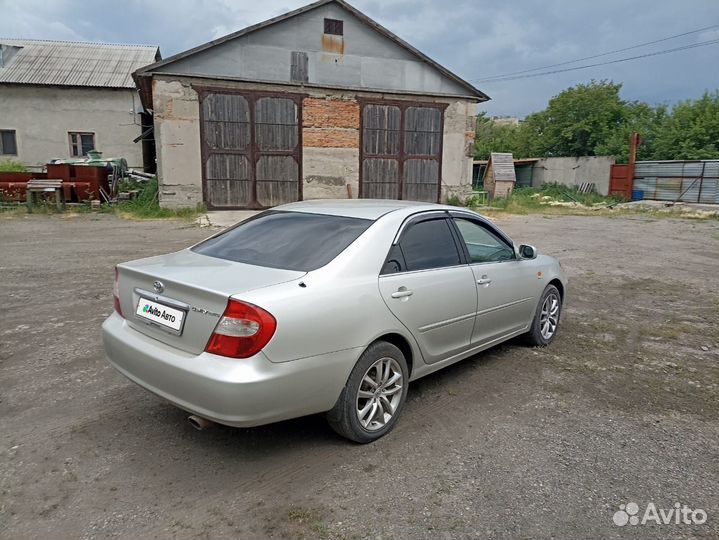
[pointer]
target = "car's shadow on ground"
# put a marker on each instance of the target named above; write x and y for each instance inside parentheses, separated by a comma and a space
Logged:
(313, 432)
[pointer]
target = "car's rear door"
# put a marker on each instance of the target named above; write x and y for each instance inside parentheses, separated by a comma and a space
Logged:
(428, 286)
(506, 285)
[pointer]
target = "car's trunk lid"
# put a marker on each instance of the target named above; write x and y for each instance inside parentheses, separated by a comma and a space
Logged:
(194, 287)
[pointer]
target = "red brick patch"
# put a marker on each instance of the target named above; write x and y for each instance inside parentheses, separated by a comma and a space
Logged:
(330, 113)
(330, 138)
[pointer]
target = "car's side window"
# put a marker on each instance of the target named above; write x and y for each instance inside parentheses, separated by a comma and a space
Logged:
(429, 244)
(482, 244)
(395, 261)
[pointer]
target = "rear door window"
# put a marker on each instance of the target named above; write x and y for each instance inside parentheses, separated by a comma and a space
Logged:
(429, 244)
(288, 240)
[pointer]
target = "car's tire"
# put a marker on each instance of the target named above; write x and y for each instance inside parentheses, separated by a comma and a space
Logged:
(376, 387)
(546, 319)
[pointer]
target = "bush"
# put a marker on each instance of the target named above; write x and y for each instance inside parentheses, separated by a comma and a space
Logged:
(453, 200)
(9, 165)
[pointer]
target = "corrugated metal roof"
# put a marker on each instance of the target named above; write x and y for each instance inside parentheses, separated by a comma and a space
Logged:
(67, 63)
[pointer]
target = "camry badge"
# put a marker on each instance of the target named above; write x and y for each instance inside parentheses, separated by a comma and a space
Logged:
(159, 287)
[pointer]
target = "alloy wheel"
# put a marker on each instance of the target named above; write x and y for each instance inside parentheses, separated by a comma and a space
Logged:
(379, 394)
(549, 316)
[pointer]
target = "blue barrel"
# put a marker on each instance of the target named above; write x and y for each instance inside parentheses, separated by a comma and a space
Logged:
(637, 195)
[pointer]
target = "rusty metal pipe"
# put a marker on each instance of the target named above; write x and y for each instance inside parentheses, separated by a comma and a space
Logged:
(199, 423)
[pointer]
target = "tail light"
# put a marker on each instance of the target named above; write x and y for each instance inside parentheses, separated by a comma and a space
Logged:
(243, 331)
(116, 293)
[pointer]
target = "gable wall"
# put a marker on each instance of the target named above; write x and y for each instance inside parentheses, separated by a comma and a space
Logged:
(363, 58)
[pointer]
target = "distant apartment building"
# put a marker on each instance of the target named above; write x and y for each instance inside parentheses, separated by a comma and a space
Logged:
(505, 120)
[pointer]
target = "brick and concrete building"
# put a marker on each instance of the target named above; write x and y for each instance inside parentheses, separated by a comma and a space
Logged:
(59, 99)
(321, 102)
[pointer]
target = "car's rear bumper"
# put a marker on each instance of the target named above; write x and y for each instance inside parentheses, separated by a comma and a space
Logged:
(236, 392)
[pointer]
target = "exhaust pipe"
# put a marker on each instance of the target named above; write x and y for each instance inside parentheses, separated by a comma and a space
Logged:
(200, 423)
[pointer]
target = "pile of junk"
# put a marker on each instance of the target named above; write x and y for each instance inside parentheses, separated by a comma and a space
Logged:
(91, 178)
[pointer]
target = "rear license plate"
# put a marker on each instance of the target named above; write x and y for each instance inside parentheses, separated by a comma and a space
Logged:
(160, 314)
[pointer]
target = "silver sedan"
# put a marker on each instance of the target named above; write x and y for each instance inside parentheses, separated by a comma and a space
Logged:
(326, 306)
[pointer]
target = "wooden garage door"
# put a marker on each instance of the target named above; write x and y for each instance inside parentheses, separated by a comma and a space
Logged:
(401, 151)
(251, 149)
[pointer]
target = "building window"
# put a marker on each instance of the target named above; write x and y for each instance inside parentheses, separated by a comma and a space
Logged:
(81, 143)
(334, 27)
(298, 67)
(8, 144)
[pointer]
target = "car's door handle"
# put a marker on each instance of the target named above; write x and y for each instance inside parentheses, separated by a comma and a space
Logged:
(484, 281)
(401, 294)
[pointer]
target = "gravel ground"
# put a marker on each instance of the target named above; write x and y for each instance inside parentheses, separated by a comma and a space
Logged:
(514, 443)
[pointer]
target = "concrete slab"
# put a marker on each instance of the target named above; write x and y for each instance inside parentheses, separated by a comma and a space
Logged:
(225, 218)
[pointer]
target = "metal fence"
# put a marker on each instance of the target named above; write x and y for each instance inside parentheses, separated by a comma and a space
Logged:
(686, 181)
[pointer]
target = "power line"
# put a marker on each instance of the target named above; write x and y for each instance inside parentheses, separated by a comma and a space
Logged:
(485, 79)
(665, 51)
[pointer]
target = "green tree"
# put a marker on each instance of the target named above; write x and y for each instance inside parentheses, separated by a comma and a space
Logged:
(592, 120)
(691, 131)
(581, 118)
(493, 138)
(638, 117)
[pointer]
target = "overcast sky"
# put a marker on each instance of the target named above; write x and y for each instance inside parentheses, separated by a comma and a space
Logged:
(475, 39)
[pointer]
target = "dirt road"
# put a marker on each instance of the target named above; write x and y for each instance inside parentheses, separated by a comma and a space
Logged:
(514, 443)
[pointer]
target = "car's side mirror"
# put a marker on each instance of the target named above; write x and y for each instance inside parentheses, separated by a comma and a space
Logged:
(527, 252)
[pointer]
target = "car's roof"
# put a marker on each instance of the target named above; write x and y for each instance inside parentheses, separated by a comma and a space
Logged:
(359, 208)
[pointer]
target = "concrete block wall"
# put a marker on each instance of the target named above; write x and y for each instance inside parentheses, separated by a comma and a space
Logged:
(458, 149)
(177, 142)
(330, 146)
(330, 141)
(573, 171)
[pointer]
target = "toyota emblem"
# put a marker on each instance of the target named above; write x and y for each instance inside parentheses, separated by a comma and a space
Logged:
(159, 287)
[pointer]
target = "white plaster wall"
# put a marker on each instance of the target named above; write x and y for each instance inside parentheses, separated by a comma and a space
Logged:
(177, 141)
(43, 116)
(458, 149)
(327, 171)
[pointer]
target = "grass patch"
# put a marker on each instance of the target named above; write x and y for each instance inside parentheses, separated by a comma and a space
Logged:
(557, 199)
(669, 330)
(8, 165)
(145, 205)
(309, 519)
(552, 199)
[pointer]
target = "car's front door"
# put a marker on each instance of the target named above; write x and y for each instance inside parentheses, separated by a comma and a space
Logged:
(505, 283)
(429, 288)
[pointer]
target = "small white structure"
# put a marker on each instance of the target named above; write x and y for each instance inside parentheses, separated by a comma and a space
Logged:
(60, 99)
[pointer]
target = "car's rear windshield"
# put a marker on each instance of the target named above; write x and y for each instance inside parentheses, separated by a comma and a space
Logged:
(288, 240)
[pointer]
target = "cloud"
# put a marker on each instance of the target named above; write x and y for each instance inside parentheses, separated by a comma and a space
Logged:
(34, 19)
(475, 39)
